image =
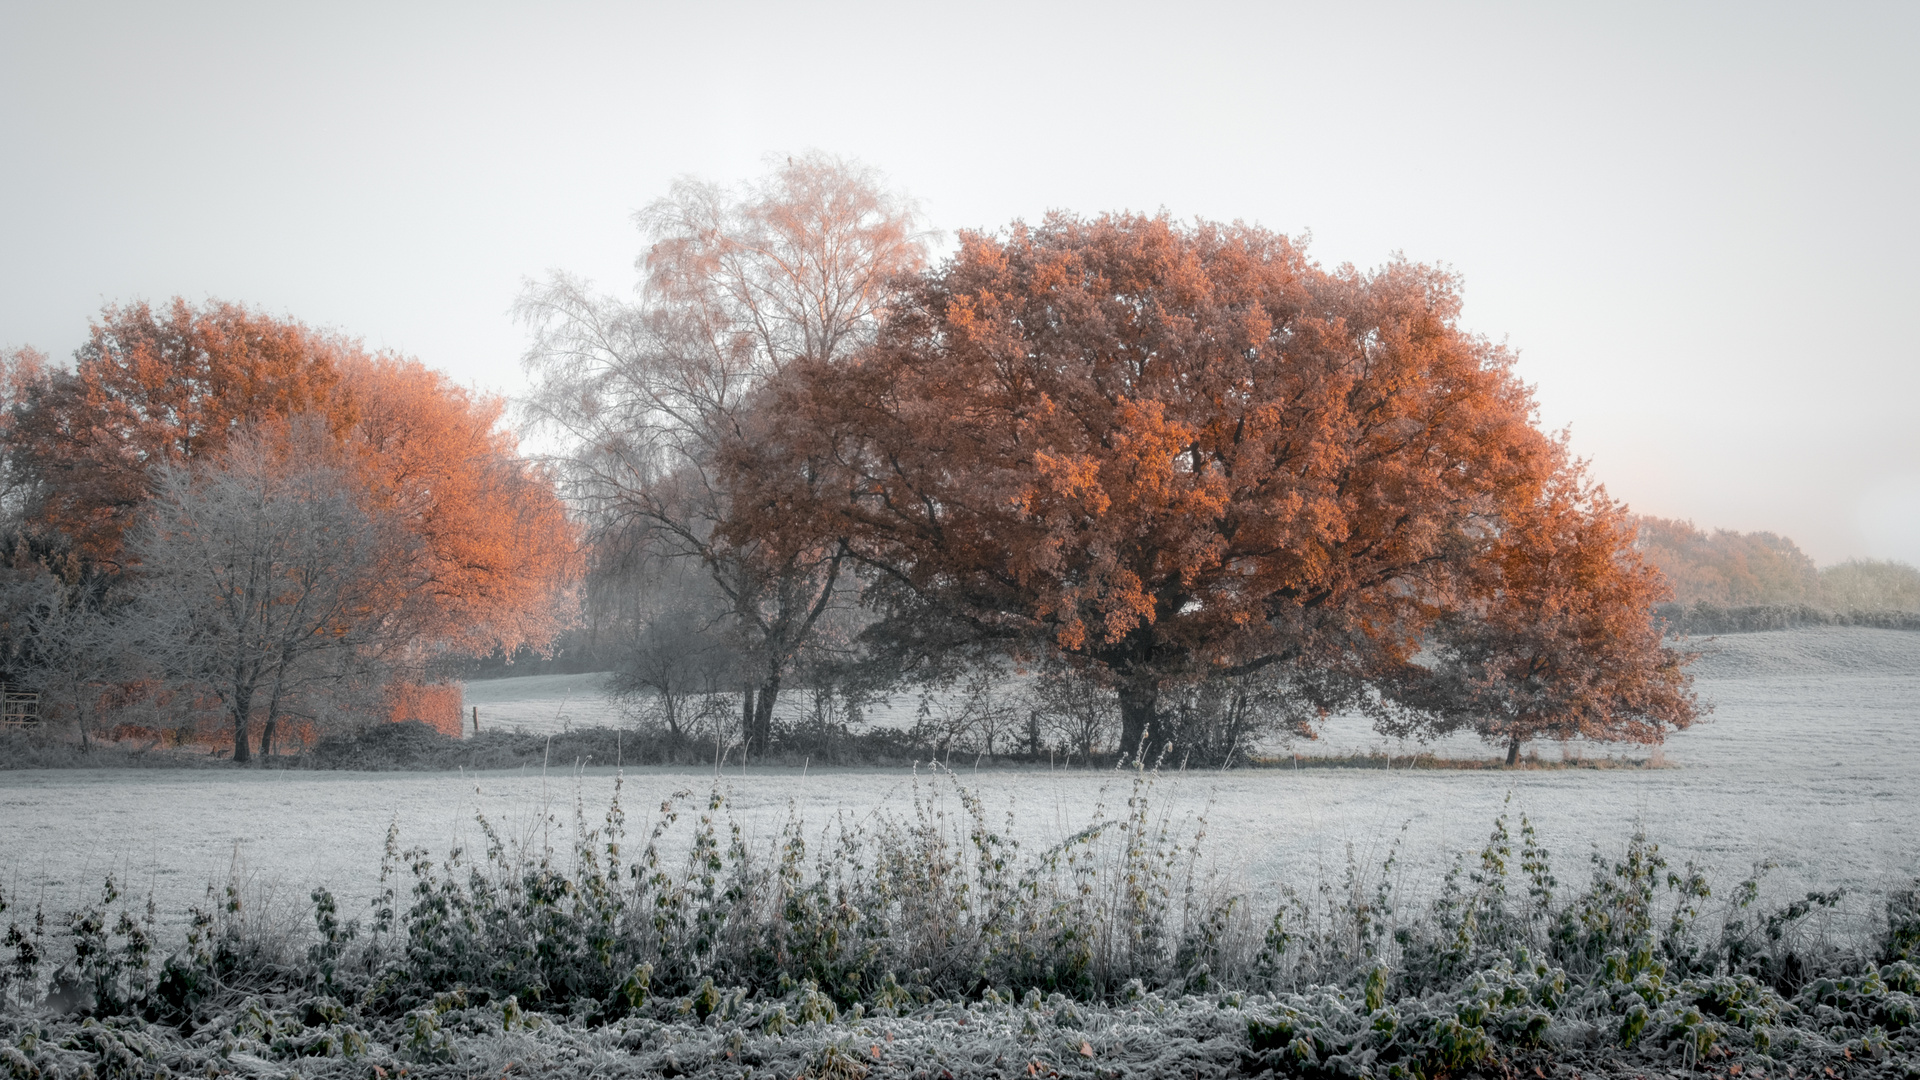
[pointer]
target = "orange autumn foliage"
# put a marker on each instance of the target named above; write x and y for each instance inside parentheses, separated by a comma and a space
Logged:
(436, 705)
(1161, 452)
(152, 388)
(1729, 568)
(1559, 644)
(492, 552)
(496, 549)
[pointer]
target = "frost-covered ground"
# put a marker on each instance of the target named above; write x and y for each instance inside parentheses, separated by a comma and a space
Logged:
(541, 703)
(1812, 758)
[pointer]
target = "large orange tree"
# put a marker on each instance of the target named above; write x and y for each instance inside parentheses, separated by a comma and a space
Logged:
(487, 552)
(1160, 452)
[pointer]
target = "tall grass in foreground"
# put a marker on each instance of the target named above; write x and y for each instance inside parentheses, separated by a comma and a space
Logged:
(682, 920)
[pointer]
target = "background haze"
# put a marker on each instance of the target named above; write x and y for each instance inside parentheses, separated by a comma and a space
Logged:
(1695, 223)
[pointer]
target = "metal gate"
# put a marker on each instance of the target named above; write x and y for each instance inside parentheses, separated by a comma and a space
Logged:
(18, 708)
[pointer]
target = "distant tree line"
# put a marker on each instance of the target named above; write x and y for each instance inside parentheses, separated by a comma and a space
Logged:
(1732, 582)
(1708, 618)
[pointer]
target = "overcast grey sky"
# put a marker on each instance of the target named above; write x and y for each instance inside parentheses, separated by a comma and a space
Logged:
(1696, 223)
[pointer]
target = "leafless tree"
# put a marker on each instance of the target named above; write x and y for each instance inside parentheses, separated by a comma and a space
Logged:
(62, 643)
(1076, 709)
(735, 286)
(262, 578)
(1217, 720)
(676, 662)
(979, 710)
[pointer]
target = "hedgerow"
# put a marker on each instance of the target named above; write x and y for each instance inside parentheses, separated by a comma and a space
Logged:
(930, 943)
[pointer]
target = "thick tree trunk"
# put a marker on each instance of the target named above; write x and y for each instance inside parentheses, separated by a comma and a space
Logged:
(1140, 737)
(763, 714)
(242, 708)
(1513, 751)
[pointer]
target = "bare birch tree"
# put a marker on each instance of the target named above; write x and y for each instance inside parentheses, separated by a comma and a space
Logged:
(735, 286)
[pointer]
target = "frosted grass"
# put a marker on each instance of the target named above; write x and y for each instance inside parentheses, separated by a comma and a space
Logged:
(541, 703)
(1812, 758)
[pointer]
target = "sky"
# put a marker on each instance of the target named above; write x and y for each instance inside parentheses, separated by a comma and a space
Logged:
(1696, 223)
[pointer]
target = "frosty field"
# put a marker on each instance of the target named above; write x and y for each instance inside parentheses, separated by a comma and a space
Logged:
(1812, 758)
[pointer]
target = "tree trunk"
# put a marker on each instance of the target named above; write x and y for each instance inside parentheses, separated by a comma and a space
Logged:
(746, 718)
(763, 714)
(1140, 737)
(242, 707)
(80, 718)
(669, 706)
(1513, 751)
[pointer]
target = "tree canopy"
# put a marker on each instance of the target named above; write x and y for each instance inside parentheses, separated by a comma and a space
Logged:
(152, 388)
(1162, 452)
(494, 550)
(1726, 567)
(162, 389)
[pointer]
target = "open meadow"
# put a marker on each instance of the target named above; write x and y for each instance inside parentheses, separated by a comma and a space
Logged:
(1811, 759)
(906, 941)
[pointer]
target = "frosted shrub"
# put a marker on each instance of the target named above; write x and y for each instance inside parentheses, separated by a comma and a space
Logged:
(1114, 950)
